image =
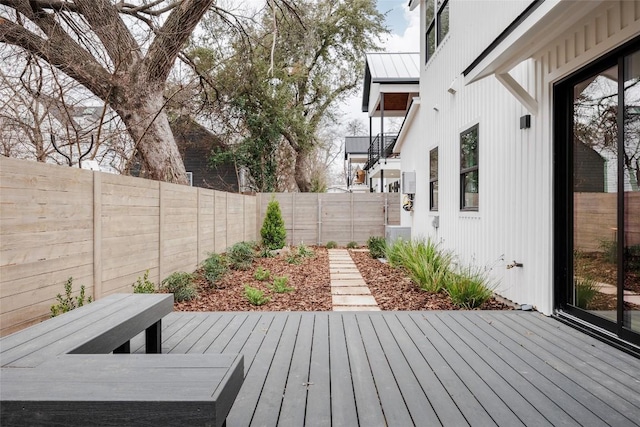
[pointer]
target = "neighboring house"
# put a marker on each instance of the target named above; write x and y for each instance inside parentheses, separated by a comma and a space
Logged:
(356, 156)
(506, 87)
(195, 144)
(390, 85)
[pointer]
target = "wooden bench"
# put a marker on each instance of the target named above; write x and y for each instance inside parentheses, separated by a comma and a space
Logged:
(71, 379)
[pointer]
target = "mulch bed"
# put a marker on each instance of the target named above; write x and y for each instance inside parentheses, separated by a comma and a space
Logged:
(311, 280)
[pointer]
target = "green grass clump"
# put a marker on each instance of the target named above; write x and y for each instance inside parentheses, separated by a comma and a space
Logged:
(304, 251)
(352, 245)
(181, 285)
(67, 302)
(213, 268)
(240, 256)
(377, 246)
(586, 289)
(331, 244)
(281, 285)
(469, 288)
(261, 274)
(143, 285)
(293, 259)
(425, 262)
(255, 296)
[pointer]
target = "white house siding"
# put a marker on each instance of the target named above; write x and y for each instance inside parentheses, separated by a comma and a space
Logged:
(514, 222)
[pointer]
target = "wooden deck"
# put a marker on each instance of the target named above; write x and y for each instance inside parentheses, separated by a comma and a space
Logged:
(414, 368)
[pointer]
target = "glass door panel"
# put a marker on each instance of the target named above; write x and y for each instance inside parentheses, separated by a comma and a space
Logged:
(595, 194)
(630, 158)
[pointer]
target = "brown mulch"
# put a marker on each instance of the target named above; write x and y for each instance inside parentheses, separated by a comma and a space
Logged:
(311, 280)
(596, 265)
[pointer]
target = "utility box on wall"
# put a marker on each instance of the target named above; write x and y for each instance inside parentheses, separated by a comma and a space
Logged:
(395, 232)
(409, 182)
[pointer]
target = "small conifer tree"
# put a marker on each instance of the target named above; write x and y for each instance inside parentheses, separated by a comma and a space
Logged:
(273, 233)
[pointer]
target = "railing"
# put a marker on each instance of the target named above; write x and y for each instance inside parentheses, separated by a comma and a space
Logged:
(381, 147)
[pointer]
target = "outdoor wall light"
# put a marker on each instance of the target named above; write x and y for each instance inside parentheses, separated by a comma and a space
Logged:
(525, 121)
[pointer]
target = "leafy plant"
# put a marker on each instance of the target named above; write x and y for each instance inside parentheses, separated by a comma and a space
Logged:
(304, 251)
(280, 285)
(425, 262)
(273, 232)
(352, 245)
(469, 288)
(181, 285)
(240, 256)
(293, 259)
(144, 285)
(261, 274)
(255, 296)
(586, 289)
(68, 302)
(213, 268)
(331, 244)
(265, 252)
(377, 246)
(610, 249)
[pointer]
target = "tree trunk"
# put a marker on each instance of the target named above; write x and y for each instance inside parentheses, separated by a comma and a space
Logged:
(148, 125)
(302, 171)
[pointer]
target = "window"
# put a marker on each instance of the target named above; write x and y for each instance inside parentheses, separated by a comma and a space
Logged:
(437, 24)
(469, 185)
(433, 179)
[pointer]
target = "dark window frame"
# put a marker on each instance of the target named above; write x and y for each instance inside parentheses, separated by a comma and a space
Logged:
(433, 180)
(465, 171)
(434, 27)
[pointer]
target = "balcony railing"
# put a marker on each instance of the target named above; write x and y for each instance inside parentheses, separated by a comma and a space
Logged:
(381, 147)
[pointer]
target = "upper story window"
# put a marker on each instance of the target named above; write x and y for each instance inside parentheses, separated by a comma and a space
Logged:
(469, 162)
(437, 24)
(433, 179)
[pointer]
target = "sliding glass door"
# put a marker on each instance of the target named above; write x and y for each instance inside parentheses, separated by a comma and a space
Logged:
(597, 173)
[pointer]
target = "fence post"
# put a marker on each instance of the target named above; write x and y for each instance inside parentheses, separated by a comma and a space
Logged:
(97, 235)
(293, 218)
(161, 224)
(319, 220)
(351, 204)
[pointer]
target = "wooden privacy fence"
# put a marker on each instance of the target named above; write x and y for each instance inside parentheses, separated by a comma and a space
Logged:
(317, 218)
(595, 219)
(103, 230)
(106, 230)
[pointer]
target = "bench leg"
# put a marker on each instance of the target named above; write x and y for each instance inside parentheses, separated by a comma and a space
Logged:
(123, 349)
(153, 337)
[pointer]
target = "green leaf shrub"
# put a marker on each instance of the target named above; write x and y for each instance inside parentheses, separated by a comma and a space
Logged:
(240, 256)
(255, 296)
(586, 289)
(281, 285)
(213, 268)
(261, 274)
(181, 285)
(425, 262)
(331, 244)
(352, 245)
(143, 285)
(273, 232)
(67, 302)
(377, 246)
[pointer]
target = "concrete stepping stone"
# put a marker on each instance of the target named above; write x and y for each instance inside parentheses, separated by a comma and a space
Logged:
(353, 300)
(350, 290)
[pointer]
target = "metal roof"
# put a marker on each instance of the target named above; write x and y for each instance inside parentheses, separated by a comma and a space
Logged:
(394, 67)
(389, 68)
(356, 145)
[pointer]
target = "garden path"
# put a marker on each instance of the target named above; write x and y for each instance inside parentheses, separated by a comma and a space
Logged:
(349, 291)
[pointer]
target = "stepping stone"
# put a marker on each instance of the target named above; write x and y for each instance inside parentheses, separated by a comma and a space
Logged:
(353, 300)
(348, 282)
(346, 276)
(350, 290)
(356, 308)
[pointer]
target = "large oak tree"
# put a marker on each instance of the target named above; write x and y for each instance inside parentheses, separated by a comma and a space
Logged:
(95, 43)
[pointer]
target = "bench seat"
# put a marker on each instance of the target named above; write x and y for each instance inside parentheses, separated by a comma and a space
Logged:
(137, 389)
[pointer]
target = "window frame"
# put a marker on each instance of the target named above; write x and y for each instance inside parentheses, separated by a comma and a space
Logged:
(433, 179)
(465, 171)
(433, 26)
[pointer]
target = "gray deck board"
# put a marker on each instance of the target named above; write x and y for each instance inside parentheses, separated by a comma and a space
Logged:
(414, 368)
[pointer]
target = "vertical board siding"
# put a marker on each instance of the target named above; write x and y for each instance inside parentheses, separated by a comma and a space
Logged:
(103, 230)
